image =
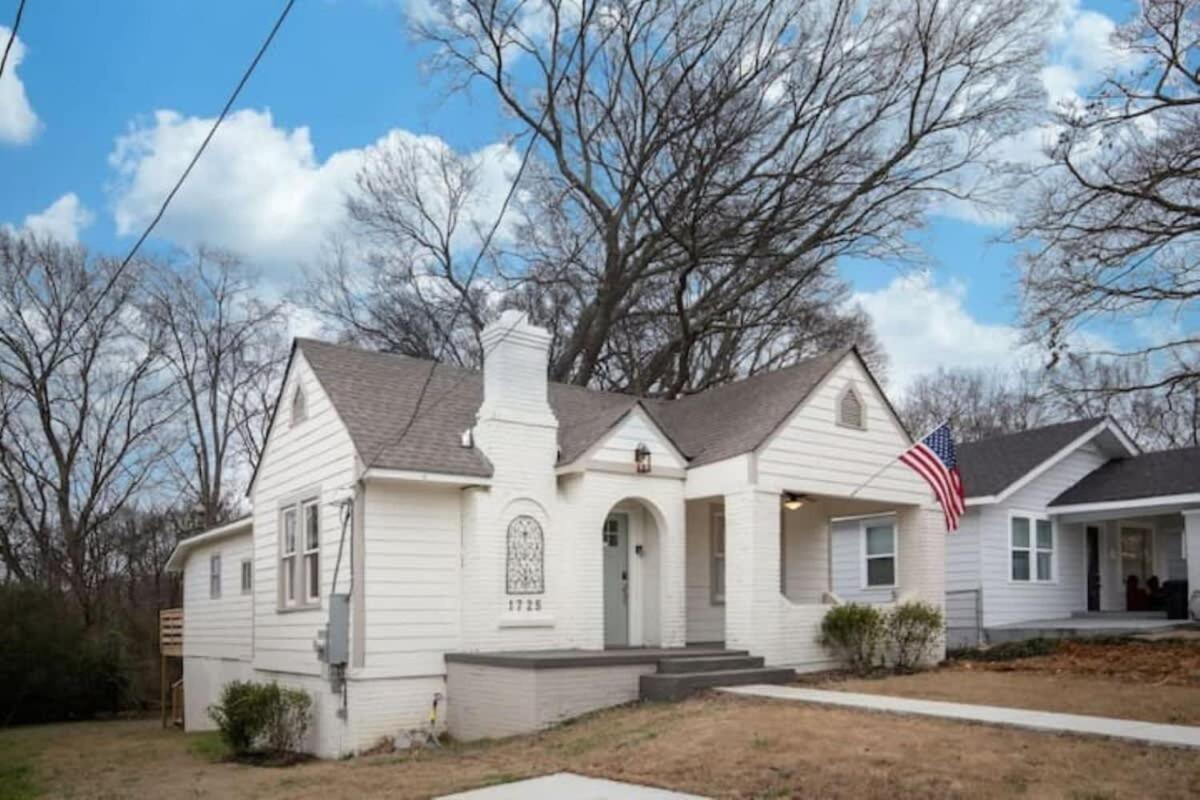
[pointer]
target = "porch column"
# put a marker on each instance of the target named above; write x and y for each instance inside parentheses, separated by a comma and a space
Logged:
(922, 560)
(752, 600)
(1191, 538)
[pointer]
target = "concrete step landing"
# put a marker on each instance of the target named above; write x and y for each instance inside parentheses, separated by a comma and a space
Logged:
(673, 686)
(672, 666)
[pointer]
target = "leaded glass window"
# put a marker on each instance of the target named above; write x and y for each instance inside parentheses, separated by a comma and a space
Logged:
(526, 556)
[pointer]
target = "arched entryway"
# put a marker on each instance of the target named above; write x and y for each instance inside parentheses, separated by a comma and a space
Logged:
(632, 567)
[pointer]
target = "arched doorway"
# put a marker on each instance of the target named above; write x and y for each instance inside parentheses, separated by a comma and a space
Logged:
(632, 568)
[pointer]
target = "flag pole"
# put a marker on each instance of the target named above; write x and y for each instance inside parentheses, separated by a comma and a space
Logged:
(892, 462)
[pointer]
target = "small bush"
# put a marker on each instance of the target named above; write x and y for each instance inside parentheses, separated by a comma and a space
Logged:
(262, 718)
(912, 629)
(855, 632)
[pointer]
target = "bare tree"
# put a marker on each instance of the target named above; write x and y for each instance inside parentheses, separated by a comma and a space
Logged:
(222, 345)
(85, 407)
(979, 404)
(700, 167)
(415, 239)
(1116, 220)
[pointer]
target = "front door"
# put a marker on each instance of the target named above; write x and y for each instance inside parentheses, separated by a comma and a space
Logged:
(1135, 567)
(1093, 568)
(616, 580)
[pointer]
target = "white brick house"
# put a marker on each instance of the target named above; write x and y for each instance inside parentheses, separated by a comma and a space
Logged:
(544, 541)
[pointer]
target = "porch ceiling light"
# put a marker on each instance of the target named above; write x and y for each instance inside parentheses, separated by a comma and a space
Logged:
(641, 457)
(793, 501)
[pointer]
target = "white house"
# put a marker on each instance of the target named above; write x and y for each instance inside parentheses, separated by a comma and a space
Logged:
(531, 551)
(1065, 520)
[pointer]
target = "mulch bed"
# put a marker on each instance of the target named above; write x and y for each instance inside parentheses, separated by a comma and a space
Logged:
(1173, 662)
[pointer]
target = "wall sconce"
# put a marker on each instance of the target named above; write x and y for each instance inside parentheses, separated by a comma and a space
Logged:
(641, 457)
(793, 501)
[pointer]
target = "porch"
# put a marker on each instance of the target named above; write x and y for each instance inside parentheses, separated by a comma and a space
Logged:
(1084, 624)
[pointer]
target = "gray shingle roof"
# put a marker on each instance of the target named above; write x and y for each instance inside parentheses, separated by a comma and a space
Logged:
(374, 394)
(1158, 474)
(990, 466)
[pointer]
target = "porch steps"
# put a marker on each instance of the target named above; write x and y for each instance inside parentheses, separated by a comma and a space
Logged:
(678, 678)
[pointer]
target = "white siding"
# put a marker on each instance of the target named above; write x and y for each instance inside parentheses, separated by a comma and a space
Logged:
(962, 553)
(313, 459)
(849, 565)
(705, 619)
(812, 453)
(411, 578)
(217, 628)
(636, 428)
(805, 554)
(1006, 601)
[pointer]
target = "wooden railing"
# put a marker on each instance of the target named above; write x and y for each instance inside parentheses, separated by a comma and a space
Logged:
(170, 631)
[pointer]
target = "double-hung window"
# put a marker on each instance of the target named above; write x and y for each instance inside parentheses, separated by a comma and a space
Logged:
(1032, 548)
(880, 547)
(247, 575)
(717, 556)
(214, 576)
(300, 554)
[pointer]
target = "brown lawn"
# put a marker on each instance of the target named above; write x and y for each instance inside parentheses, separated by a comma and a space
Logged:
(714, 745)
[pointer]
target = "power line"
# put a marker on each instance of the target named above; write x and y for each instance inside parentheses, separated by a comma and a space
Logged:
(12, 36)
(204, 144)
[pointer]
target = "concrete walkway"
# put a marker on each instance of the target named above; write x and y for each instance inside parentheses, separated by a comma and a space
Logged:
(1130, 730)
(568, 785)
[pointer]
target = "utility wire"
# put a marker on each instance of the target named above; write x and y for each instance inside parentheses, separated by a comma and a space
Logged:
(512, 190)
(12, 36)
(208, 138)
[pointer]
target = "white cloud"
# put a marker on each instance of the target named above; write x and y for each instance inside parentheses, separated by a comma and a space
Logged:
(63, 219)
(923, 326)
(18, 122)
(259, 188)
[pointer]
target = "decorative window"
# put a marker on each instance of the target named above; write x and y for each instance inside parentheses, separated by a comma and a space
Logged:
(850, 410)
(1032, 553)
(299, 406)
(880, 548)
(214, 576)
(300, 555)
(526, 556)
(247, 576)
(716, 532)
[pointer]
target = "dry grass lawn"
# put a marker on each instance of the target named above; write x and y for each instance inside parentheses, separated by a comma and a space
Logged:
(714, 745)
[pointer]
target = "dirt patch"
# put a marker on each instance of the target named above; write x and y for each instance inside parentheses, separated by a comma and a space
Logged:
(716, 745)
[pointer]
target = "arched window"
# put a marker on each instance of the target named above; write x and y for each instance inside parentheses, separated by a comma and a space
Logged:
(299, 406)
(850, 410)
(526, 569)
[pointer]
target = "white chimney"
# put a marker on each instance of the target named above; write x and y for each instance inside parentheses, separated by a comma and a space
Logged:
(516, 357)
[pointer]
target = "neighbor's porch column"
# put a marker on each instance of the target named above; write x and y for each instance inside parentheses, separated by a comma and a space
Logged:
(752, 600)
(1191, 537)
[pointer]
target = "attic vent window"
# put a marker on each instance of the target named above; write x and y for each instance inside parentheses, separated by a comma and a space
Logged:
(299, 407)
(850, 410)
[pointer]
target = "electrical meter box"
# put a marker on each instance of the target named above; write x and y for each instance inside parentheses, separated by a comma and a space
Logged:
(336, 649)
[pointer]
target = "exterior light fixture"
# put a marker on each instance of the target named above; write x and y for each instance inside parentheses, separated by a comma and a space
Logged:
(793, 501)
(641, 458)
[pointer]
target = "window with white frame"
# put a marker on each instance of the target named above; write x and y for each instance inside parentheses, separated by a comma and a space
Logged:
(851, 413)
(214, 576)
(1032, 548)
(299, 406)
(717, 556)
(879, 545)
(300, 554)
(289, 556)
(247, 575)
(312, 552)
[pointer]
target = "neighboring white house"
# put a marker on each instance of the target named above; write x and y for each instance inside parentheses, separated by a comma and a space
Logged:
(521, 548)
(1067, 519)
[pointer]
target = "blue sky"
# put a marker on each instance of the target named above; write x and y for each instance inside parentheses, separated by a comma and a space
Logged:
(103, 100)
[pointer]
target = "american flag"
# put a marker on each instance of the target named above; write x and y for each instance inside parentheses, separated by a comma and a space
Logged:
(935, 459)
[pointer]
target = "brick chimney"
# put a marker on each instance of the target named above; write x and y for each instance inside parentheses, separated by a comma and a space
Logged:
(516, 356)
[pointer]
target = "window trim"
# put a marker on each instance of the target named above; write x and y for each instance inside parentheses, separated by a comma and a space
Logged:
(214, 576)
(247, 572)
(715, 598)
(874, 522)
(851, 390)
(299, 404)
(302, 601)
(1033, 549)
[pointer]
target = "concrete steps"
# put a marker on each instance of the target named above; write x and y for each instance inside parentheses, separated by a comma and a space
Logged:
(678, 678)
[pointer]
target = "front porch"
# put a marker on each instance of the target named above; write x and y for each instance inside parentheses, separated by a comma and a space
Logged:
(1085, 624)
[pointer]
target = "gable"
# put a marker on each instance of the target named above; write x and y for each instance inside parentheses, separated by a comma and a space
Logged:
(815, 452)
(635, 428)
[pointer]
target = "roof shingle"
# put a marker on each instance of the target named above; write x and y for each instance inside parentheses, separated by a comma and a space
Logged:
(990, 466)
(1159, 474)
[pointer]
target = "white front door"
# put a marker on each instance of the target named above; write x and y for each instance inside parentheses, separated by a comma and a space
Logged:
(616, 580)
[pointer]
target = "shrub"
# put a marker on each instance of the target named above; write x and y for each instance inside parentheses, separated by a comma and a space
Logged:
(261, 717)
(855, 633)
(912, 629)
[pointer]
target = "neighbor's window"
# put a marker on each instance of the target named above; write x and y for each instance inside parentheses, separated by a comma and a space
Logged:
(247, 576)
(1032, 548)
(717, 556)
(299, 406)
(214, 576)
(850, 410)
(881, 553)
